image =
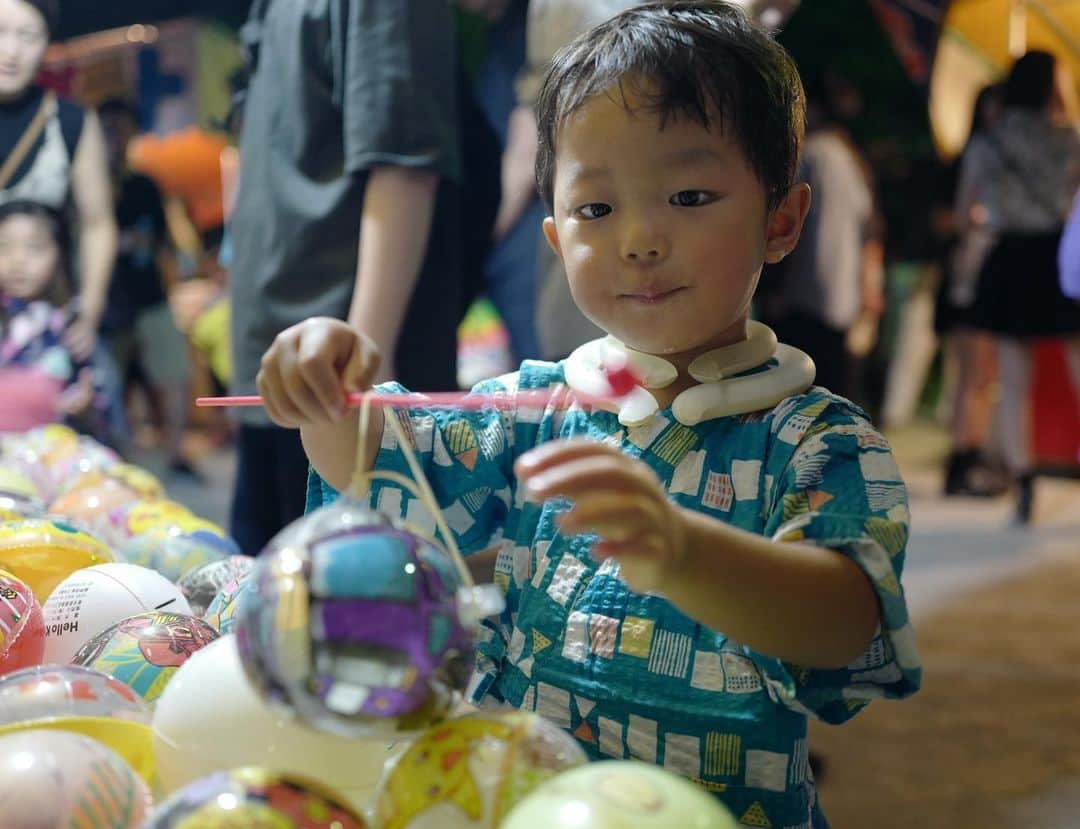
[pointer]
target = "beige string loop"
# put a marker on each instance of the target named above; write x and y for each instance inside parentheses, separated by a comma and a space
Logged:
(360, 486)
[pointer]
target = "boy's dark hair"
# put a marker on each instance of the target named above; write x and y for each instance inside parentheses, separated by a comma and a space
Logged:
(50, 10)
(699, 59)
(59, 291)
(1030, 84)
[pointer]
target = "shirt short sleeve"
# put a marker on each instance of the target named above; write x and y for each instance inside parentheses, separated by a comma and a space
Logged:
(399, 86)
(466, 458)
(841, 489)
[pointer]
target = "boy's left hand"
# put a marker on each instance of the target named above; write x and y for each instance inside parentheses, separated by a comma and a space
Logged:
(615, 496)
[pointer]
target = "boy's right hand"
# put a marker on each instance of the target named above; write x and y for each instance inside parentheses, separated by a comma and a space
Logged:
(311, 367)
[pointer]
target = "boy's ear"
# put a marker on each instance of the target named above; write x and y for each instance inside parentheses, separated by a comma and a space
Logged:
(786, 223)
(552, 236)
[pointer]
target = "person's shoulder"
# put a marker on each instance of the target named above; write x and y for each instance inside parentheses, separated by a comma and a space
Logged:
(72, 118)
(816, 411)
(538, 374)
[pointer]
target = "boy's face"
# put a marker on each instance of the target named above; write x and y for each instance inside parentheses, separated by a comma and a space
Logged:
(663, 232)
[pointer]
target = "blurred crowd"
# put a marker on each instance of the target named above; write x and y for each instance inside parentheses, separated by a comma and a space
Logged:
(380, 168)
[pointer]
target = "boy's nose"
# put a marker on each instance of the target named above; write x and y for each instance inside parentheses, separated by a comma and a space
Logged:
(645, 247)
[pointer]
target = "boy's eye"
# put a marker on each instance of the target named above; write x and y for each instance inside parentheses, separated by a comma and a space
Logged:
(691, 198)
(594, 210)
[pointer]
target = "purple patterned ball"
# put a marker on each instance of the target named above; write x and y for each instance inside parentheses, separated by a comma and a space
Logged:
(354, 624)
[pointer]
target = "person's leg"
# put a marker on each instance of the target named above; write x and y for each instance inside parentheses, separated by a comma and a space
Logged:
(163, 352)
(1014, 366)
(114, 350)
(254, 502)
(290, 477)
(976, 376)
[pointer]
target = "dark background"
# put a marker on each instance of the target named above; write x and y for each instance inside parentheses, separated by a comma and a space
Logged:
(80, 17)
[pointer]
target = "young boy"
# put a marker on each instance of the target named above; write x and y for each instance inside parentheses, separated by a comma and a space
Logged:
(718, 576)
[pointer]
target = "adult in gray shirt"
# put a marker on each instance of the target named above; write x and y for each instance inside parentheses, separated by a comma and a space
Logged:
(345, 209)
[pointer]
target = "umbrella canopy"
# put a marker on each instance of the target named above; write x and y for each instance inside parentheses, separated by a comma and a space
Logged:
(979, 41)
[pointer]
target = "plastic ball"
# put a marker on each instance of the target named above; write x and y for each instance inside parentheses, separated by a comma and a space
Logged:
(468, 773)
(80, 701)
(144, 651)
(135, 478)
(169, 518)
(89, 506)
(170, 555)
(16, 480)
(254, 797)
(15, 507)
(221, 614)
(87, 456)
(355, 625)
(202, 584)
(90, 600)
(43, 553)
(26, 460)
(22, 626)
(51, 442)
(51, 778)
(50, 692)
(620, 794)
(209, 719)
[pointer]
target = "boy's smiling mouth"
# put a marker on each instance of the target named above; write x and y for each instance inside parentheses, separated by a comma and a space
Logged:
(653, 296)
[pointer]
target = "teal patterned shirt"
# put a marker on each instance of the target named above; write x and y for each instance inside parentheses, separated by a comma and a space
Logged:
(629, 675)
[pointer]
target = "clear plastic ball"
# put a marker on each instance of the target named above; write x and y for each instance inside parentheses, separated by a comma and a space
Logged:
(357, 624)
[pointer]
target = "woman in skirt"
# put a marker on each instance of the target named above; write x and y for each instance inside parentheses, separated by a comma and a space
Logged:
(1018, 180)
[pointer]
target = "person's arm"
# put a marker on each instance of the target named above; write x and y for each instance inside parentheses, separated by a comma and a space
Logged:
(399, 203)
(967, 210)
(518, 169)
(92, 194)
(304, 379)
(803, 604)
(797, 602)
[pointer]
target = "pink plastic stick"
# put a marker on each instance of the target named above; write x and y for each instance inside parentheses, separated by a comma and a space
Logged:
(452, 400)
(621, 380)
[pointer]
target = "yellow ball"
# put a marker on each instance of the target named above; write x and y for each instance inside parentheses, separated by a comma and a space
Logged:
(467, 773)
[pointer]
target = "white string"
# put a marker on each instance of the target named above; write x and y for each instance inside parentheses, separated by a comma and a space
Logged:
(360, 486)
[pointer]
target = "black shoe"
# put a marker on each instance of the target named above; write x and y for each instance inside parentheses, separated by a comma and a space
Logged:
(966, 473)
(1025, 498)
(956, 469)
(181, 468)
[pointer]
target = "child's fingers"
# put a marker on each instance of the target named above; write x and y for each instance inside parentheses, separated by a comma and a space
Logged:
(362, 366)
(279, 407)
(557, 452)
(310, 378)
(582, 476)
(619, 517)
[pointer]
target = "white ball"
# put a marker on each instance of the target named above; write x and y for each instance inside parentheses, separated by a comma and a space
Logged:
(89, 600)
(55, 778)
(209, 719)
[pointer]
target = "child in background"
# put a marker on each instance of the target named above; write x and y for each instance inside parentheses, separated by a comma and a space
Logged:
(692, 575)
(40, 380)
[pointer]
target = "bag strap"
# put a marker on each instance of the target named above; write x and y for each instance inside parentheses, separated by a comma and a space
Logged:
(28, 139)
